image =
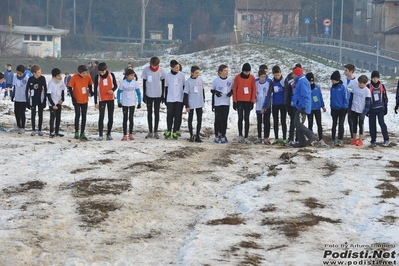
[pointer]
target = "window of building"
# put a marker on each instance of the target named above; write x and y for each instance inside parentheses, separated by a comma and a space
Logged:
(42, 38)
(49, 38)
(244, 17)
(26, 37)
(34, 37)
(369, 10)
(285, 19)
(251, 19)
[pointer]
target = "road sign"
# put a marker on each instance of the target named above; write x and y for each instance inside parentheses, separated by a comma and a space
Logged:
(326, 30)
(307, 20)
(327, 22)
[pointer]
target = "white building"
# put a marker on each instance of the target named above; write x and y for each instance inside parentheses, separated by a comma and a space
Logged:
(36, 41)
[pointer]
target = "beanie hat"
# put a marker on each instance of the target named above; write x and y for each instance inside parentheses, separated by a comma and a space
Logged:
(310, 76)
(297, 71)
(55, 72)
(375, 74)
(246, 67)
(336, 76)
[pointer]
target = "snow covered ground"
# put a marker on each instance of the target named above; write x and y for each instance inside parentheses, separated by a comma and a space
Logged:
(159, 202)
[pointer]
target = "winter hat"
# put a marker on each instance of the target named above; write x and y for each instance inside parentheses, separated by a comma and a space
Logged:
(375, 74)
(310, 76)
(55, 72)
(336, 76)
(246, 67)
(297, 71)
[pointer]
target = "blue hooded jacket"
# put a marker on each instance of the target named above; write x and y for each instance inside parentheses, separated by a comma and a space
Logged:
(302, 94)
(339, 96)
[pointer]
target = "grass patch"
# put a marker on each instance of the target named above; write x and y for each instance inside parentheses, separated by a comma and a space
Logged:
(269, 208)
(331, 168)
(254, 235)
(252, 259)
(145, 167)
(184, 152)
(249, 244)
(232, 220)
(293, 227)
(388, 190)
(93, 213)
(388, 220)
(84, 169)
(395, 174)
(312, 203)
(98, 186)
(24, 187)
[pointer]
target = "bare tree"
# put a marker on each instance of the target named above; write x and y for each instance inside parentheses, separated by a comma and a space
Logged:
(8, 43)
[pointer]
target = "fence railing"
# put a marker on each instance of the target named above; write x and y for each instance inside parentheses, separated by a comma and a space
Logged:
(301, 44)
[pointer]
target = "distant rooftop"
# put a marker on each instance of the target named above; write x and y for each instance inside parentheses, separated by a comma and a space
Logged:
(46, 30)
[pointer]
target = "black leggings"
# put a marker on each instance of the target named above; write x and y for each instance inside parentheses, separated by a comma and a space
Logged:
(243, 109)
(338, 115)
(291, 112)
(357, 119)
(19, 111)
(317, 115)
(110, 107)
(173, 115)
(78, 109)
(265, 119)
(128, 112)
(198, 111)
(55, 115)
(283, 117)
(221, 118)
(33, 116)
(157, 103)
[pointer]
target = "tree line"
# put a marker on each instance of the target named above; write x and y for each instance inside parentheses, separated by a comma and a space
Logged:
(122, 18)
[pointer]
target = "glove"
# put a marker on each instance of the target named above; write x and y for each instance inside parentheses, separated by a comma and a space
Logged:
(385, 110)
(139, 106)
(119, 105)
(218, 93)
(235, 106)
(145, 99)
(251, 107)
(230, 94)
(303, 110)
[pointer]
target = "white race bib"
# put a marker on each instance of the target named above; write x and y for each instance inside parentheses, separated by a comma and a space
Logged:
(83, 90)
(376, 97)
(246, 91)
(105, 82)
(149, 79)
(196, 89)
(276, 89)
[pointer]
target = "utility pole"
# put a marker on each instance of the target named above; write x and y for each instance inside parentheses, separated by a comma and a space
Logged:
(47, 12)
(340, 38)
(74, 16)
(143, 6)
(332, 20)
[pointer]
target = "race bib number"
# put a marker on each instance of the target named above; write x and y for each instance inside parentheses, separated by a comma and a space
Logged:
(84, 90)
(105, 82)
(149, 79)
(376, 97)
(196, 89)
(276, 89)
(246, 90)
(315, 99)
